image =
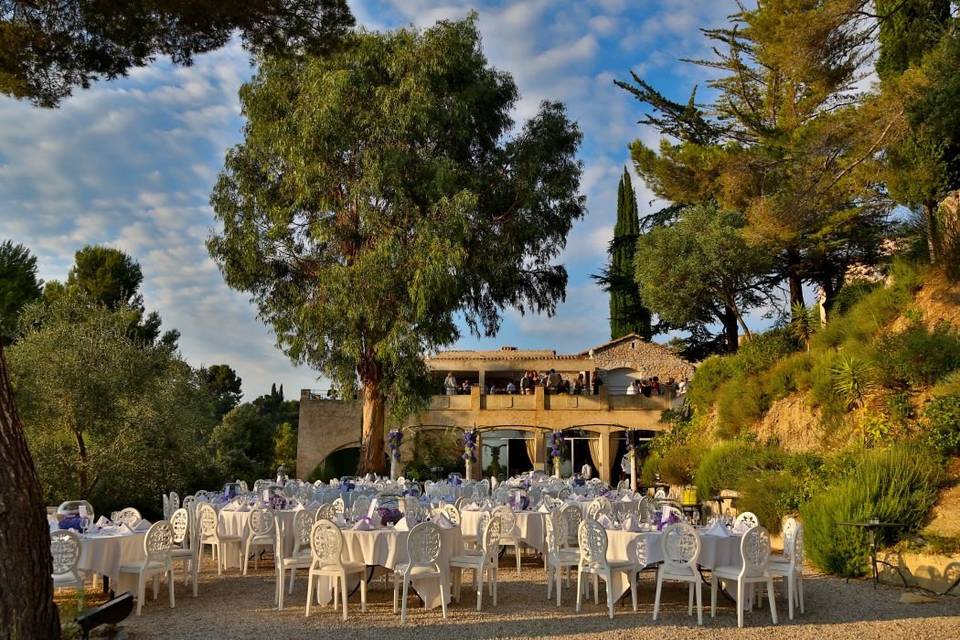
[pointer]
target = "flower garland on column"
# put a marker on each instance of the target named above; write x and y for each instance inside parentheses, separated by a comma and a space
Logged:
(469, 451)
(556, 451)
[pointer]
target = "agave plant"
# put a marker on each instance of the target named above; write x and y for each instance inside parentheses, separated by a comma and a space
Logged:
(853, 379)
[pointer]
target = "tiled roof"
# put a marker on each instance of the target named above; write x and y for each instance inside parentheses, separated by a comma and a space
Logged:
(514, 354)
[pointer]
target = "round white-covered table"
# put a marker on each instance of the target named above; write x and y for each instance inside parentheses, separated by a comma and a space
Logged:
(103, 553)
(715, 551)
(387, 547)
(234, 523)
(529, 526)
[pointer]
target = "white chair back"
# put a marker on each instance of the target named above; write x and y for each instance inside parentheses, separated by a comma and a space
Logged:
(747, 520)
(508, 520)
(166, 506)
(158, 542)
(423, 546)
(208, 520)
(303, 522)
(681, 548)
(593, 544)
(572, 514)
(646, 508)
(180, 523)
(556, 532)
(128, 516)
(754, 552)
(65, 549)
(174, 501)
(599, 506)
(451, 513)
(337, 508)
(326, 544)
(261, 522)
(360, 507)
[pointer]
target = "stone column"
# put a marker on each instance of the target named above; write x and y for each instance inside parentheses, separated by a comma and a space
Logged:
(540, 454)
(604, 462)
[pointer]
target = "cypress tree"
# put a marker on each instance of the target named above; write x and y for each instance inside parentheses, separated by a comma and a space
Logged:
(627, 313)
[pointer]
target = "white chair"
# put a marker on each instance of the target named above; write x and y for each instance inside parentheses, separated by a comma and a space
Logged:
(598, 506)
(65, 549)
(209, 525)
(558, 558)
(300, 557)
(509, 536)
(259, 533)
(338, 509)
(451, 513)
(185, 546)
(744, 521)
(573, 515)
(325, 512)
(593, 561)
(482, 564)
(646, 508)
(128, 516)
(166, 506)
(680, 546)
(754, 554)
(174, 501)
(157, 560)
(326, 547)
(423, 551)
(790, 566)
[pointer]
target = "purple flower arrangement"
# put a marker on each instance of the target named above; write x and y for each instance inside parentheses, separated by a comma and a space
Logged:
(389, 515)
(73, 522)
(277, 501)
(394, 440)
(455, 479)
(470, 446)
(347, 485)
(556, 445)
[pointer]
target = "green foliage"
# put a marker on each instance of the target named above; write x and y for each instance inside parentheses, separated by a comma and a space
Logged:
(342, 462)
(244, 444)
(396, 157)
(909, 29)
(941, 419)
(108, 418)
(770, 496)
(223, 385)
(729, 464)
(916, 357)
(627, 313)
(285, 448)
(701, 270)
(19, 285)
(54, 47)
(853, 379)
(894, 485)
(437, 454)
(679, 464)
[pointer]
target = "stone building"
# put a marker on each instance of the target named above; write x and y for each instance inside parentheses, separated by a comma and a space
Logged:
(595, 422)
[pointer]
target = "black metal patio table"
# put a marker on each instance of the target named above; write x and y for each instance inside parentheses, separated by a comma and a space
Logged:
(871, 527)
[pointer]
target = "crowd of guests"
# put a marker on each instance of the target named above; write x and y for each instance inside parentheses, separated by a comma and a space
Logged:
(554, 383)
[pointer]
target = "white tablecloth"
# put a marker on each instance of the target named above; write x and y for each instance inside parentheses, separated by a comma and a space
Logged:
(103, 554)
(234, 523)
(715, 551)
(529, 526)
(387, 548)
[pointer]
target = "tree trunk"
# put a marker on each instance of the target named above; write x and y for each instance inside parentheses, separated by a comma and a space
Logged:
(731, 330)
(794, 281)
(372, 445)
(26, 598)
(827, 295)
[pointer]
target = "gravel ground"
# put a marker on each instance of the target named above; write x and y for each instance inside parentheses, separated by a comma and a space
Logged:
(240, 607)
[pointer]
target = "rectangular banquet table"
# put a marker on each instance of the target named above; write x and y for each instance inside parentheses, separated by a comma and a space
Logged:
(103, 553)
(234, 523)
(530, 527)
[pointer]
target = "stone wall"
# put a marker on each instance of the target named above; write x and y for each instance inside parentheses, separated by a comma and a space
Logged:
(325, 426)
(649, 357)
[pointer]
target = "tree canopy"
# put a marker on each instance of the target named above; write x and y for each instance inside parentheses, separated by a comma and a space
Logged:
(19, 285)
(378, 194)
(224, 386)
(50, 47)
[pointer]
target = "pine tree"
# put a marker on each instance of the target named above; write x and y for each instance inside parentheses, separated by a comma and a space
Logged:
(627, 313)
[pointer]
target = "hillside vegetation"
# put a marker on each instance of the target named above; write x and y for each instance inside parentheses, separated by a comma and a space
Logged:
(849, 421)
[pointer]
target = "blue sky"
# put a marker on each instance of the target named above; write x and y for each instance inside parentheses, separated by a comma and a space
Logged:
(130, 163)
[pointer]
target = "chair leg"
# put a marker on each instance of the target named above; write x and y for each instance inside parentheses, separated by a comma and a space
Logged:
(773, 602)
(246, 556)
(699, 604)
(690, 599)
(219, 557)
(549, 581)
(609, 595)
(363, 591)
(656, 598)
(403, 604)
(445, 594)
(156, 585)
(596, 589)
(170, 585)
(141, 591)
(478, 572)
(343, 594)
(580, 589)
(310, 581)
(800, 590)
(557, 574)
(740, 603)
(633, 589)
(516, 552)
(713, 597)
(396, 588)
(790, 595)
(493, 578)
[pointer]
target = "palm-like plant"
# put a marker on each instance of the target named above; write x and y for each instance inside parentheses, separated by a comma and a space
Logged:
(805, 321)
(853, 379)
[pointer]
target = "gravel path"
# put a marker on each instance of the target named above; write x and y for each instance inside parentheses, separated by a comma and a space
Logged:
(240, 607)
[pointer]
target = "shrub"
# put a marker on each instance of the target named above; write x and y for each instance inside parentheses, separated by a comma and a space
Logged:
(917, 357)
(650, 469)
(677, 465)
(894, 485)
(851, 294)
(941, 417)
(712, 372)
(740, 404)
(728, 465)
(770, 497)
